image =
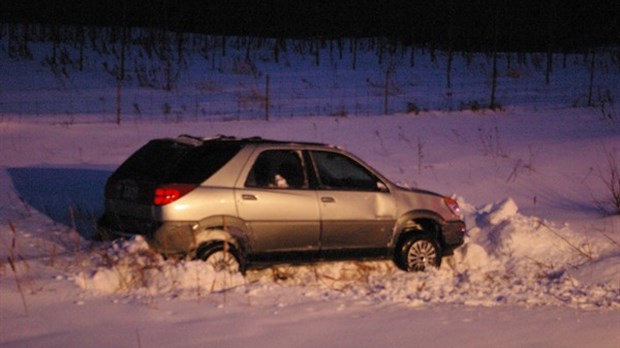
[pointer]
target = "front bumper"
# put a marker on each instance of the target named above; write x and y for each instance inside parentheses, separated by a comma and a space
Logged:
(453, 236)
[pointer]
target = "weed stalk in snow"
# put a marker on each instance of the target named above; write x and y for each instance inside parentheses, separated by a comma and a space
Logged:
(139, 341)
(582, 252)
(420, 154)
(13, 255)
(611, 179)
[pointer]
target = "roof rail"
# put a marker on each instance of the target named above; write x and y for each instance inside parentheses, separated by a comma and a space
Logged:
(222, 137)
(190, 137)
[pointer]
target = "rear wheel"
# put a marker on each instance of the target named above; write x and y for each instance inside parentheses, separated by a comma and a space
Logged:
(221, 256)
(418, 253)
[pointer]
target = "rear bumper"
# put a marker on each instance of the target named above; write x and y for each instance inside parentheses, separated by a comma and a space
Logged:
(453, 236)
(111, 227)
(170, 238)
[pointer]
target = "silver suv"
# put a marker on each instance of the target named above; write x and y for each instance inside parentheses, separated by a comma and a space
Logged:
(237, 203)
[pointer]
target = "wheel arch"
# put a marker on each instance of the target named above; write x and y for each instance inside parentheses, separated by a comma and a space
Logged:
(222, 228)
(417, 221)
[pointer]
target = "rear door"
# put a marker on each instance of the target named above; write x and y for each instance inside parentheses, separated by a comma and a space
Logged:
(357, 211)
(278, 204)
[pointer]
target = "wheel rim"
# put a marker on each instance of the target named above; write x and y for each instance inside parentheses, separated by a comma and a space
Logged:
(421, 254)
(223, 261)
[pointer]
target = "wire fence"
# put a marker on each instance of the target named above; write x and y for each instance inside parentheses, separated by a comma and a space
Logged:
(238, 86)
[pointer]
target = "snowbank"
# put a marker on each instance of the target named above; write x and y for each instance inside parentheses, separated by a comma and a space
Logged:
(508, 259)
(130, 266)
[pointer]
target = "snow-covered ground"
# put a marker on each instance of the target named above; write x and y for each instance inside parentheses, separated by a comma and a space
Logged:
(541, 265)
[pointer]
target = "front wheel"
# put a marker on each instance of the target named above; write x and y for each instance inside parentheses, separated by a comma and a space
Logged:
(419, 253)
(221, 256)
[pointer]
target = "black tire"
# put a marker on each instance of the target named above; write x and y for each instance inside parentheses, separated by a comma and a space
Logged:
(418, 253)
(221, 256)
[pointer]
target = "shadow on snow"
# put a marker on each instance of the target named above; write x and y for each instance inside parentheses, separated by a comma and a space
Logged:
(70, 196)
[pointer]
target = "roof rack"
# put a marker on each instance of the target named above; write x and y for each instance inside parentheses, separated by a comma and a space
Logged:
(220, 137)
(192, 137)
(254, 139)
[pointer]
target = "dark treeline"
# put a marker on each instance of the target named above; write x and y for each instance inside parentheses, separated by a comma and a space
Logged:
(449, 24)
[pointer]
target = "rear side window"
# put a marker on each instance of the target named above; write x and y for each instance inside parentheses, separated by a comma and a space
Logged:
(202, 162)
(278, 169)
(168, 161)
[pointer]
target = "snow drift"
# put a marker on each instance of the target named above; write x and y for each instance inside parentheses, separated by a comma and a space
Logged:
(508, 258)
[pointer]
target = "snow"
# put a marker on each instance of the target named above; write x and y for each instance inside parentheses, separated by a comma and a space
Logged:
(500, 212)
(540, 266)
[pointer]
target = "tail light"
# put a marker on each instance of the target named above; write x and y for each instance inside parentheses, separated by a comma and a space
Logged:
(169, 193)
(453, 205)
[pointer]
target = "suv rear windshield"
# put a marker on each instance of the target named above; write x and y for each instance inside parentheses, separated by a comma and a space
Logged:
(169, 161)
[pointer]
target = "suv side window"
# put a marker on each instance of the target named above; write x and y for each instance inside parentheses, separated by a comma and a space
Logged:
(339, 172)
(278, 169)
(202, 162)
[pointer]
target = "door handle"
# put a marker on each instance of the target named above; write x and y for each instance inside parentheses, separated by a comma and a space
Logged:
(328, 199)
(248, 197)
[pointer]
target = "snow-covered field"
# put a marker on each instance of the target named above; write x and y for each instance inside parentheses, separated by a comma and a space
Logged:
(541, 265)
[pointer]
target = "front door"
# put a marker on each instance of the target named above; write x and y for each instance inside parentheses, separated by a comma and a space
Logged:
(357, 211)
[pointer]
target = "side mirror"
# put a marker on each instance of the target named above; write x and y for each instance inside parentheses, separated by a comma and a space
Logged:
(381, 186)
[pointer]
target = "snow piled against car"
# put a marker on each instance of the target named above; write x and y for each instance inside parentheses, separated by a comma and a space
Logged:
(508, 258)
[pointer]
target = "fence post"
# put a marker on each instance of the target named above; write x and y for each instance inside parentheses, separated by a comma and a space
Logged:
(118, 101)
(386, 91)
(267, 99)
(592, 65)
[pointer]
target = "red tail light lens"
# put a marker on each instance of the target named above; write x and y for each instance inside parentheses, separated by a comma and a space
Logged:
(170, 193)
(453, 205)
